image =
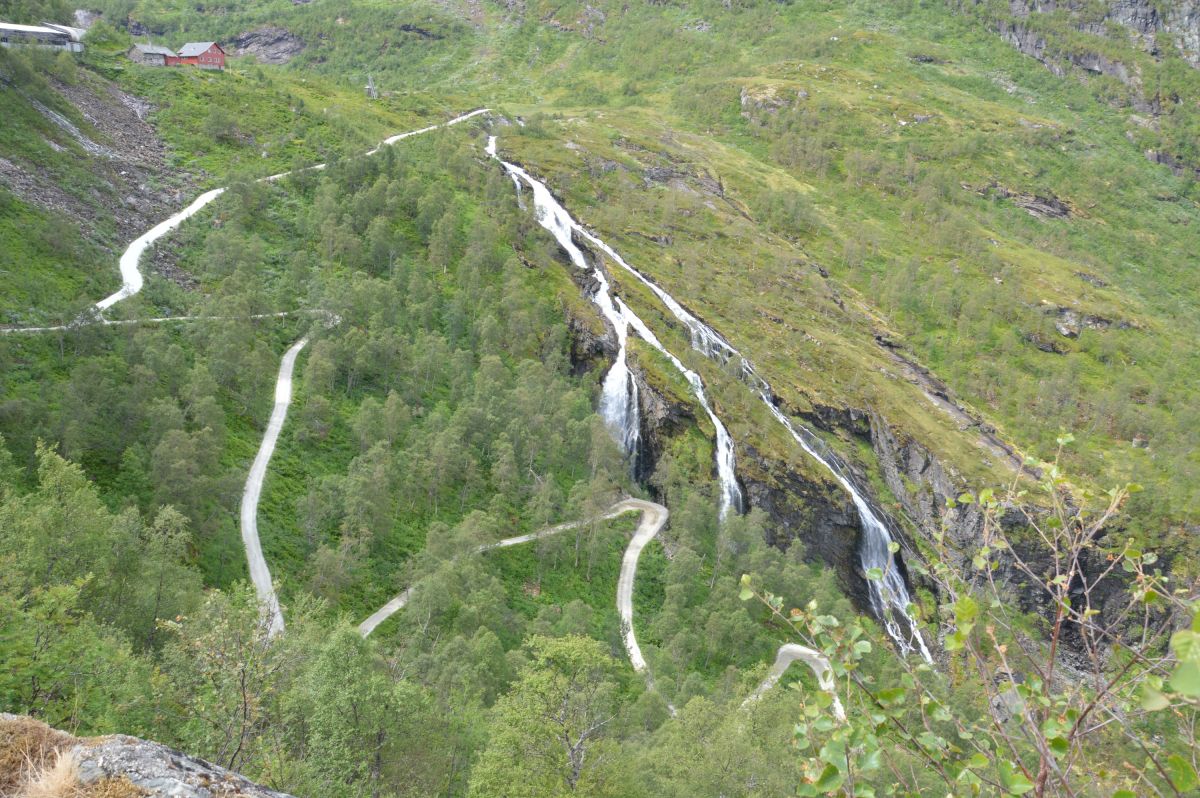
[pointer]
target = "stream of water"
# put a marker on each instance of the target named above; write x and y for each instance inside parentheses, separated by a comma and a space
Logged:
(619, 394)
(889, 594)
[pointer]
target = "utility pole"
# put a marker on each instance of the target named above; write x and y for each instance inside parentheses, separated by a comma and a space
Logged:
(372, 92)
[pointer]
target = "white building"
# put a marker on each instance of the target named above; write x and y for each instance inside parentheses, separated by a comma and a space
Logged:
(45, 35)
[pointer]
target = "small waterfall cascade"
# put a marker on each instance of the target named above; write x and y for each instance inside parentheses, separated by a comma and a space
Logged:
(890, 598)
(619, 396)
(889, 595)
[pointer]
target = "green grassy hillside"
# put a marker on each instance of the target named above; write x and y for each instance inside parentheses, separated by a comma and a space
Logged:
(942, 254)
(894, 147)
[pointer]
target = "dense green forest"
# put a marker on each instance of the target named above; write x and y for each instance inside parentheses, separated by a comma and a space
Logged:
(954, 265)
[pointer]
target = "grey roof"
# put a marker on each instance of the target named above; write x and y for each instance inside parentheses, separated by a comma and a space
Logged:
(194, 48)
(34, 29)
(154, 49)
(76, 34)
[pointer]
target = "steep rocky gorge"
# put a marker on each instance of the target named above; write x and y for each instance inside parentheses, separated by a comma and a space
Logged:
(911, 491)
(803, 504)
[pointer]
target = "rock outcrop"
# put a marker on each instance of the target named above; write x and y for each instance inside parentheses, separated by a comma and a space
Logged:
(134, 188)
(268, 45)
(116, 765)
(1144, 20)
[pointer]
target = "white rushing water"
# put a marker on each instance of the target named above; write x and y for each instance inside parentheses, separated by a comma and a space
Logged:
(890, 598)
(618, 396)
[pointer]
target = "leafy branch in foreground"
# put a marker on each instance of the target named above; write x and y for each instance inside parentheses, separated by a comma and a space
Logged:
(1068, 666)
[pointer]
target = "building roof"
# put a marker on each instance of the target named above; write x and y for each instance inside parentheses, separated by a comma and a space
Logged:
(196, 48)
(154, 49)
(29, 28)
(75, 33)
(45, 29)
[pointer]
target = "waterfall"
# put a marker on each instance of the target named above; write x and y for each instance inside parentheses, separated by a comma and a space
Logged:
(889, 596)
(619, 396)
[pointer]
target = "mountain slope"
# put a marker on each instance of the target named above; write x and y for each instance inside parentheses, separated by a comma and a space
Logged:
(843, 265)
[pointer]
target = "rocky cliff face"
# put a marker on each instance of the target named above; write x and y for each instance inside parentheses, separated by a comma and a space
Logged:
(803, 506)
(1147, 22)
(32, 754)
(268, 45)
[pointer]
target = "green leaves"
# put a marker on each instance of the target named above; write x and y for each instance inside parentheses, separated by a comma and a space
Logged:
(1013, 780)
(830, 779)
(1183, 775)
(1186, 679)
(1152, 698)
(966, 611)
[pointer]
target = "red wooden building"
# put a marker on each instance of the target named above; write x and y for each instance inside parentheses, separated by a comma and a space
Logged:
(206, 55)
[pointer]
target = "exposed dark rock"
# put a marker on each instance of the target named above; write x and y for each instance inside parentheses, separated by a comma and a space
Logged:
(661, 175)
(422, 32)
(268, 45)
(1036, 205)
(86, 18)
(1070, 322)
(601, 166)
(661, 420)
(820, 515)
(1035, 45)
(925, 58)
(1037, 340)
(1174, 163)
(682, 177)
(761, 100)
(939, 393)
(139, 28)
(1092, 279)
(164, 261)
(922, 486)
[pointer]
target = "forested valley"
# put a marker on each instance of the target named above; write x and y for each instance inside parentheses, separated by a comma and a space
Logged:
(810, 417)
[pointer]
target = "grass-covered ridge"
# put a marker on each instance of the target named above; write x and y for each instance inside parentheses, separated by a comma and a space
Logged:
(893, 147)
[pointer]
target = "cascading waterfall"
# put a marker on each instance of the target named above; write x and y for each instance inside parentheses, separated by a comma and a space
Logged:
(618, 396)
(890, 598)
(619, 393)
(889, 595)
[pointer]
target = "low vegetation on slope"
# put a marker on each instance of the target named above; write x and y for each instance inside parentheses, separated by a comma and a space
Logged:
(937, 251)
(992, 218)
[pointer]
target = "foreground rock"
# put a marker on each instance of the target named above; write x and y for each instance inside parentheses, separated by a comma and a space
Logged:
(32, 752)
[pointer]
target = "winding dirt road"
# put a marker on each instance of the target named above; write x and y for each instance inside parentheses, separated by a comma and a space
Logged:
(131, 275)
(654, 518)
(260, 574)
(794, 652)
